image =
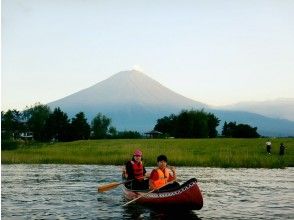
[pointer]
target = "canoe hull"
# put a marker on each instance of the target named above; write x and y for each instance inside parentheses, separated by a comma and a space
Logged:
(188, 196)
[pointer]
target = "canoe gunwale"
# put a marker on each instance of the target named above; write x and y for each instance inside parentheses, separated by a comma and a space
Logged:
(187, 196)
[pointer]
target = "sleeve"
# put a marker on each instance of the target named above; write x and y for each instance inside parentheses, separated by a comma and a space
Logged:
(129, 170)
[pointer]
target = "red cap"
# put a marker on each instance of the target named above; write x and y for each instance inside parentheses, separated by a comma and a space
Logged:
(138, 152)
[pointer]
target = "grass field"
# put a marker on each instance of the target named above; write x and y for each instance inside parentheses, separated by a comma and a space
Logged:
(220, 152)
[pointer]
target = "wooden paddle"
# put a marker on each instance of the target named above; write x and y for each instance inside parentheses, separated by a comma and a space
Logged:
(113, 185)
(110, 186)
(139, 197)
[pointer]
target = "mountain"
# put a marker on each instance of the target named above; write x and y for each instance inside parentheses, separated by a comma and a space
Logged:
(134, 101)
(131, 99)
(279, 108)
(266, 126)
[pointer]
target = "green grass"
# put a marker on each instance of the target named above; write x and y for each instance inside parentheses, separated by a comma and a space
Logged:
(219, 152)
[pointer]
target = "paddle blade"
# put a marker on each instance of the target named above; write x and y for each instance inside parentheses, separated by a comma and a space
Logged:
(108, 186)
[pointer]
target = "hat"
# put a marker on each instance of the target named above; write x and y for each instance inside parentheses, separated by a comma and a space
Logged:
(138, 152)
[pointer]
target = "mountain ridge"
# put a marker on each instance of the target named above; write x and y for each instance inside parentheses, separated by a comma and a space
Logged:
(282, 108)
(134, 101)
(127, 83)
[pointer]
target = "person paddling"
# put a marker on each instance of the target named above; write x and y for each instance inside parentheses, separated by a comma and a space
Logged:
(134, 170)
(162, 175)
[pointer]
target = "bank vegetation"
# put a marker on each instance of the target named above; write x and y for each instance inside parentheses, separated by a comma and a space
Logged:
(217, 152)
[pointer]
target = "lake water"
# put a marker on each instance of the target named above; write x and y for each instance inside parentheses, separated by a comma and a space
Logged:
(70, 192)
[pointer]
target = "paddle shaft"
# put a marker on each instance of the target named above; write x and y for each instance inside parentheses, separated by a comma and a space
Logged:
(113, 185)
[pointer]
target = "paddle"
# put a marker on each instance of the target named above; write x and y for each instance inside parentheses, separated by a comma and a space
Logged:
(112, 185)
(139, 197)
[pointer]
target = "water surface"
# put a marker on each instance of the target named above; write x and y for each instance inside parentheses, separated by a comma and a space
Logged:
(70, 192)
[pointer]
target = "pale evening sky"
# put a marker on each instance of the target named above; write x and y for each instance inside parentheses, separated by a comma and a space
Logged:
(214, 51)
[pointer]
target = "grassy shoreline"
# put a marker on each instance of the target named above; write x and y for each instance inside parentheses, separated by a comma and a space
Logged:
(227, 152)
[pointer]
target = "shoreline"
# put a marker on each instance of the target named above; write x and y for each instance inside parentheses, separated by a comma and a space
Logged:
(218, 152)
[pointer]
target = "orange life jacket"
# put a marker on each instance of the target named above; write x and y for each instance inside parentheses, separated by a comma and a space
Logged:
(162, 180)
(138, 170)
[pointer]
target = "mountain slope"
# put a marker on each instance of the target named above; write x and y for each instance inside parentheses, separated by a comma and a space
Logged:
(266, 126)
(279, 108)
(130, 98)
(134, 101)
(128, 87)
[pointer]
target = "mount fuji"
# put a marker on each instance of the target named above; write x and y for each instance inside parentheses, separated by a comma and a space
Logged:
(134, 101)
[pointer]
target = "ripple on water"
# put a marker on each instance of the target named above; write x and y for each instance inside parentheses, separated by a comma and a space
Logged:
(70, 192)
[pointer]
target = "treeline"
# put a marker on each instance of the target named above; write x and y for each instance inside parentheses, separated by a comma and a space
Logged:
(234, 130)
(189, 124)
(47, 125)
(200, 124)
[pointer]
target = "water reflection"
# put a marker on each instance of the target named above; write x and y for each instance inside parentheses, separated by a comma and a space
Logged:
(165, 214)
(134, 211)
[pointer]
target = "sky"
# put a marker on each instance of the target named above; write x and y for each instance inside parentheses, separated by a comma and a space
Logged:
(218, 52)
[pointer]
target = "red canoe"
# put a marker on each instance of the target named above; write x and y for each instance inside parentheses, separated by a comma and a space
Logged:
(188, 196)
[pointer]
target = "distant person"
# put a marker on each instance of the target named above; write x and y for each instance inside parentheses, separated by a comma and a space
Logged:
(268, 147)
(135, 171)
(162, 175)
(282, 149)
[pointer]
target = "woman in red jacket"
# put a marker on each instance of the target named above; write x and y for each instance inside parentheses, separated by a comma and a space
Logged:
(135, 171)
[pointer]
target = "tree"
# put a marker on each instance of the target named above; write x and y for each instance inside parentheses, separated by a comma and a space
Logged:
(166, 125)
(129, 135)
(212, 122)
(36, 117)
(99, 126)
(57, 126)
(231, 129)
(113, 132)
(80, 129)
(246, 131)
(11, 124)
(225, 129)
(199, 124)
(184, 125)
(189, 124)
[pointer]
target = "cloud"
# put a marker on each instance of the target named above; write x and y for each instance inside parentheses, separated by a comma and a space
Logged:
(138, 68)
